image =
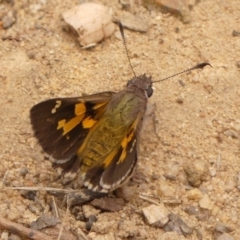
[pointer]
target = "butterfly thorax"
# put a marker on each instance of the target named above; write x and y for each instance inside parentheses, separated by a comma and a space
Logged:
(141, 85)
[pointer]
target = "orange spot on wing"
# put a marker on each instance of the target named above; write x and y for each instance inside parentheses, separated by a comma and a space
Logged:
(123, 156)
(124, 144)
(109, 158)
(88, 122)
(67, 127)
(61, 123)
(80, 109)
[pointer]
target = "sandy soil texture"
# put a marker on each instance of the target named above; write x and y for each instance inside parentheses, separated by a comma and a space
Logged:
(193, 165)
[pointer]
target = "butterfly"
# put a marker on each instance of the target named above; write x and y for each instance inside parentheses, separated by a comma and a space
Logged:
(95, 136)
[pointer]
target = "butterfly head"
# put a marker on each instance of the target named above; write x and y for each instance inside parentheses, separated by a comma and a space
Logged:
(142, 82)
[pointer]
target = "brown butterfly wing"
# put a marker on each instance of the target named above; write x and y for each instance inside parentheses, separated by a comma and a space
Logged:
(61, 124)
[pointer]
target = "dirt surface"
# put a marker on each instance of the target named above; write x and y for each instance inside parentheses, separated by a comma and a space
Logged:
(198, 122)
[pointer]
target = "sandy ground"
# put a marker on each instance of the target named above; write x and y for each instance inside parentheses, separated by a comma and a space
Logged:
(198, 122)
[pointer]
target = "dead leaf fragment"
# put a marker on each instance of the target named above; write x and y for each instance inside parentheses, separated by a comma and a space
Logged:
(91, 21)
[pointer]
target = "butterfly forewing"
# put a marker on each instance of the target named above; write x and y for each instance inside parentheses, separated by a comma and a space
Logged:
(61, 124)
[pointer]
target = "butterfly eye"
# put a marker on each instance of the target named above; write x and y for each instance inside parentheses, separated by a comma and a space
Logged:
(149, 91)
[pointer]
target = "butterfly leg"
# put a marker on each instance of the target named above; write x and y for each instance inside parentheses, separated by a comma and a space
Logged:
(150, 114)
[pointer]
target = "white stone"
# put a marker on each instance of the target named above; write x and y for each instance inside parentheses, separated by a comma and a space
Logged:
(156, 215)
(205, 202)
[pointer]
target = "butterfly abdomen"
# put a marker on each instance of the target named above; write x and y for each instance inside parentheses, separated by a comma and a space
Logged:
(102, 143)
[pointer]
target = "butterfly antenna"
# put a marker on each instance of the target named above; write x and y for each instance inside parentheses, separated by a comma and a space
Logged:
(125, 46)
(200, 65)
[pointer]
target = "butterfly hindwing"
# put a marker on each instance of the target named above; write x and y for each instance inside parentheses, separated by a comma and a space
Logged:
(117, 167)
(61, 124)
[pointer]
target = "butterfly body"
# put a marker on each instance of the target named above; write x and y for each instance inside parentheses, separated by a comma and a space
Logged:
(96, 135)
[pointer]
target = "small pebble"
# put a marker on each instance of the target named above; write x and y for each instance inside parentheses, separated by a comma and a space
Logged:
(230, 185)
(23, 171)
(205, 202)
(44, 221)
(133, 22)
(8, 20)
(108, 204)
(35, 208)
(235, 33)
(31, 55)
(238, 64)
(200, 213)
(221, 227)
(28, 194)
(172, 170)
(225, 236)
(194, 194)
(179, 100)
(156, 216)
(212, 171)
(215, 210)
(78, 214)
(231, 133)
(177, 7)
(182, 178)
(191, 3)
(14, 237)
(165, 190)
(181, 83)
(176, 224)
(104, 227)
(89, 210)
(125, 192)
(196, 171)
(13, 214)
(4, 235)
(90, 222)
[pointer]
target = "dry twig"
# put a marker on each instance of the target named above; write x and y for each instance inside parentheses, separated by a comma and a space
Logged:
(22, 231)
